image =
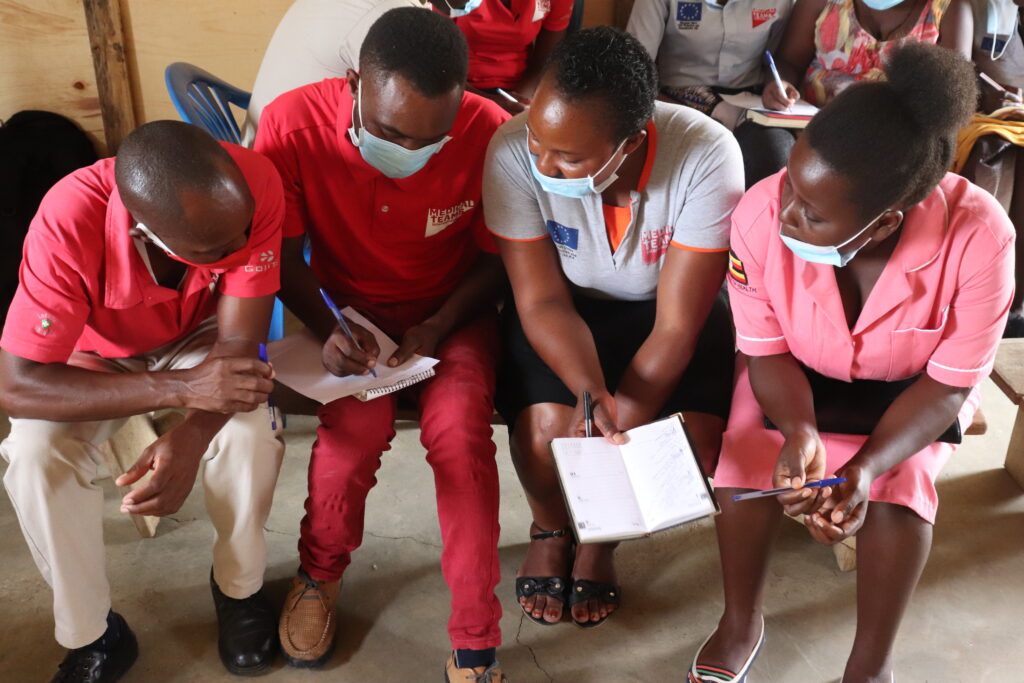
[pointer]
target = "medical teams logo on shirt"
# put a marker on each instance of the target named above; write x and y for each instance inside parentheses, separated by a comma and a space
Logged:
(541, 9)
(688, 15)
(654, 244)
(439, 219)
(566, 239)
(761, 16)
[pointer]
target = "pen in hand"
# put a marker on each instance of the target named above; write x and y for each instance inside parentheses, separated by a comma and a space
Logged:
(786, 489)
(588, 413)
(776, 76)
(341, 322)
(271, 408)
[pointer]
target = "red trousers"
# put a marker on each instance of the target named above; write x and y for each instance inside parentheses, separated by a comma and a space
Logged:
(455, 409)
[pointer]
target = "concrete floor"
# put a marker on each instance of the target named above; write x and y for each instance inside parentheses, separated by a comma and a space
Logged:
(964, 623)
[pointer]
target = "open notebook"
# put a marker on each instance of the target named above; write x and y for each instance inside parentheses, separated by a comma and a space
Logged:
(297, 363)
(797, 116)
(651, 483)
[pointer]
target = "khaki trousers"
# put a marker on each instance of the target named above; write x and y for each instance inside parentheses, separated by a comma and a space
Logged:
(51, 480)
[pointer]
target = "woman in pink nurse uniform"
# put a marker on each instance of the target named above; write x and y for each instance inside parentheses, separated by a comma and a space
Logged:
(863, 264)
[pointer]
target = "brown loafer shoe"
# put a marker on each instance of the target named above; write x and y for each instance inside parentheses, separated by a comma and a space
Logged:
(489, 674)
(309, 622)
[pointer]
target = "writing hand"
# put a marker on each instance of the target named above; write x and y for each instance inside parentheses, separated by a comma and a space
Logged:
(343, 357)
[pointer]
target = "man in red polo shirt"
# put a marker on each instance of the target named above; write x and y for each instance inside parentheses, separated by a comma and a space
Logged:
(147, 283)
(382, 172)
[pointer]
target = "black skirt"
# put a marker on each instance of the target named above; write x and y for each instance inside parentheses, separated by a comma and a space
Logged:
(619, 329)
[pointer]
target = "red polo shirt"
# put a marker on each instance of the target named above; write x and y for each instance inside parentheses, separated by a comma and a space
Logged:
(377, 238)
(84, 286)
(500, 38)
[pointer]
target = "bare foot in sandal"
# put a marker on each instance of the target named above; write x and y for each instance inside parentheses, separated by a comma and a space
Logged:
(543, 578)
(594, 584)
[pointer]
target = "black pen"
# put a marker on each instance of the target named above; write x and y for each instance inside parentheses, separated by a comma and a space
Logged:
(588, 413)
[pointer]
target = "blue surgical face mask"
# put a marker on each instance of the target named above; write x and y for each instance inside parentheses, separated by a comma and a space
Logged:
(882, 4)
(470, 5)
(827, 256)
(392, 160)
(577, 188)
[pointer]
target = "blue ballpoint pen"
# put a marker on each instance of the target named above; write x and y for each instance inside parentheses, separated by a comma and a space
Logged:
(341, 321)
(775, 73)
(785, 489)
(271, 408)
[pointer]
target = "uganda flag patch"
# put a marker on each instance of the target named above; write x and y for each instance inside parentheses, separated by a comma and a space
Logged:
(736, 271)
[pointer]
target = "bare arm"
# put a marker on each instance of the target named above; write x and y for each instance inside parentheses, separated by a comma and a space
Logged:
(687, 288)
(552, 325)
(174, 457)
(229, 381)
(785, 397)
(914, 421)
(541, 50)
(479, 288)
(956, 31)
(796, 50)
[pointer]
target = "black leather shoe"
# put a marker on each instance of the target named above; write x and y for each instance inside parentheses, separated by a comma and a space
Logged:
(247, 632)
(91, 665)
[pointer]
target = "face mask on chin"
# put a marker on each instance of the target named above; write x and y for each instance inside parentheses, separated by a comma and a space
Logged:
(235, 259)
(828, 256)
(577, 188)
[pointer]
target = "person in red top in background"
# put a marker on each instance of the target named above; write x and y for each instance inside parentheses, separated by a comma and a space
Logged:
(147, 283)
(382, 172)
(509, 41)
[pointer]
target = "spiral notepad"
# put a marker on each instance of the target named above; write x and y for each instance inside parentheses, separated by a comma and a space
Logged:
(297, 362)
(392, 388)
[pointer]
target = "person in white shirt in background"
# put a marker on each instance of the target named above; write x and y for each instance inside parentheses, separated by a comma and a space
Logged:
(702, 48)
(320, 39)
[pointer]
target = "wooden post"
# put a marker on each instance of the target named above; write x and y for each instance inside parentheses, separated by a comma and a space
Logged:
(1015, 451)
(109, 59)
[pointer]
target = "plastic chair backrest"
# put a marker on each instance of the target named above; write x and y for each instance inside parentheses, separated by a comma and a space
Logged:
(204, 100)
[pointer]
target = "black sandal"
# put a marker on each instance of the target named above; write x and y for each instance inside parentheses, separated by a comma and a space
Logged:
(583, 590)
(552, 586)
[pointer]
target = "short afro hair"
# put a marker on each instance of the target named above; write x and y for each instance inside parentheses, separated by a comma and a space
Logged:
(422, 46)
(611, 66)
(160, 160)
(894, 140)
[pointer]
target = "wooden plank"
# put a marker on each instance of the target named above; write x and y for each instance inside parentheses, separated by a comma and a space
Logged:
(1014, 463)
(227, 38)
(45, 62)
(121, 451)
(109, 50)
(1008, 370)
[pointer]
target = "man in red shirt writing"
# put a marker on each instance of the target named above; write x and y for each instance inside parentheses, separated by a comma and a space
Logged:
(147, 283)
(382, 173)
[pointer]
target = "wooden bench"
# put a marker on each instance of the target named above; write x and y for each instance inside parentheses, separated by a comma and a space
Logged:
(1008, 374)
(122, 449)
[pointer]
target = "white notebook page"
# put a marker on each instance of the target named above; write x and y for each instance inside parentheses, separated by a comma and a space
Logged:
(667, 482)
(597, 489)
(297, 363)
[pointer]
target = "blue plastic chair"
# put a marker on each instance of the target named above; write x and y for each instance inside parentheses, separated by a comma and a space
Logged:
(204, 100)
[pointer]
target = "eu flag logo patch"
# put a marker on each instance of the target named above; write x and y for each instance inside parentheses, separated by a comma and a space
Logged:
(564, 236)
(688, 11)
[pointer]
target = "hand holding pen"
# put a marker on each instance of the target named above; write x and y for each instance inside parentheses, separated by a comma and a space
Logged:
(598, 411)
(778, 95)
(351, 349)
(271, 407)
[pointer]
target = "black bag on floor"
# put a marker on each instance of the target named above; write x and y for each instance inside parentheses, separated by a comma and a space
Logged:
(37, 148)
